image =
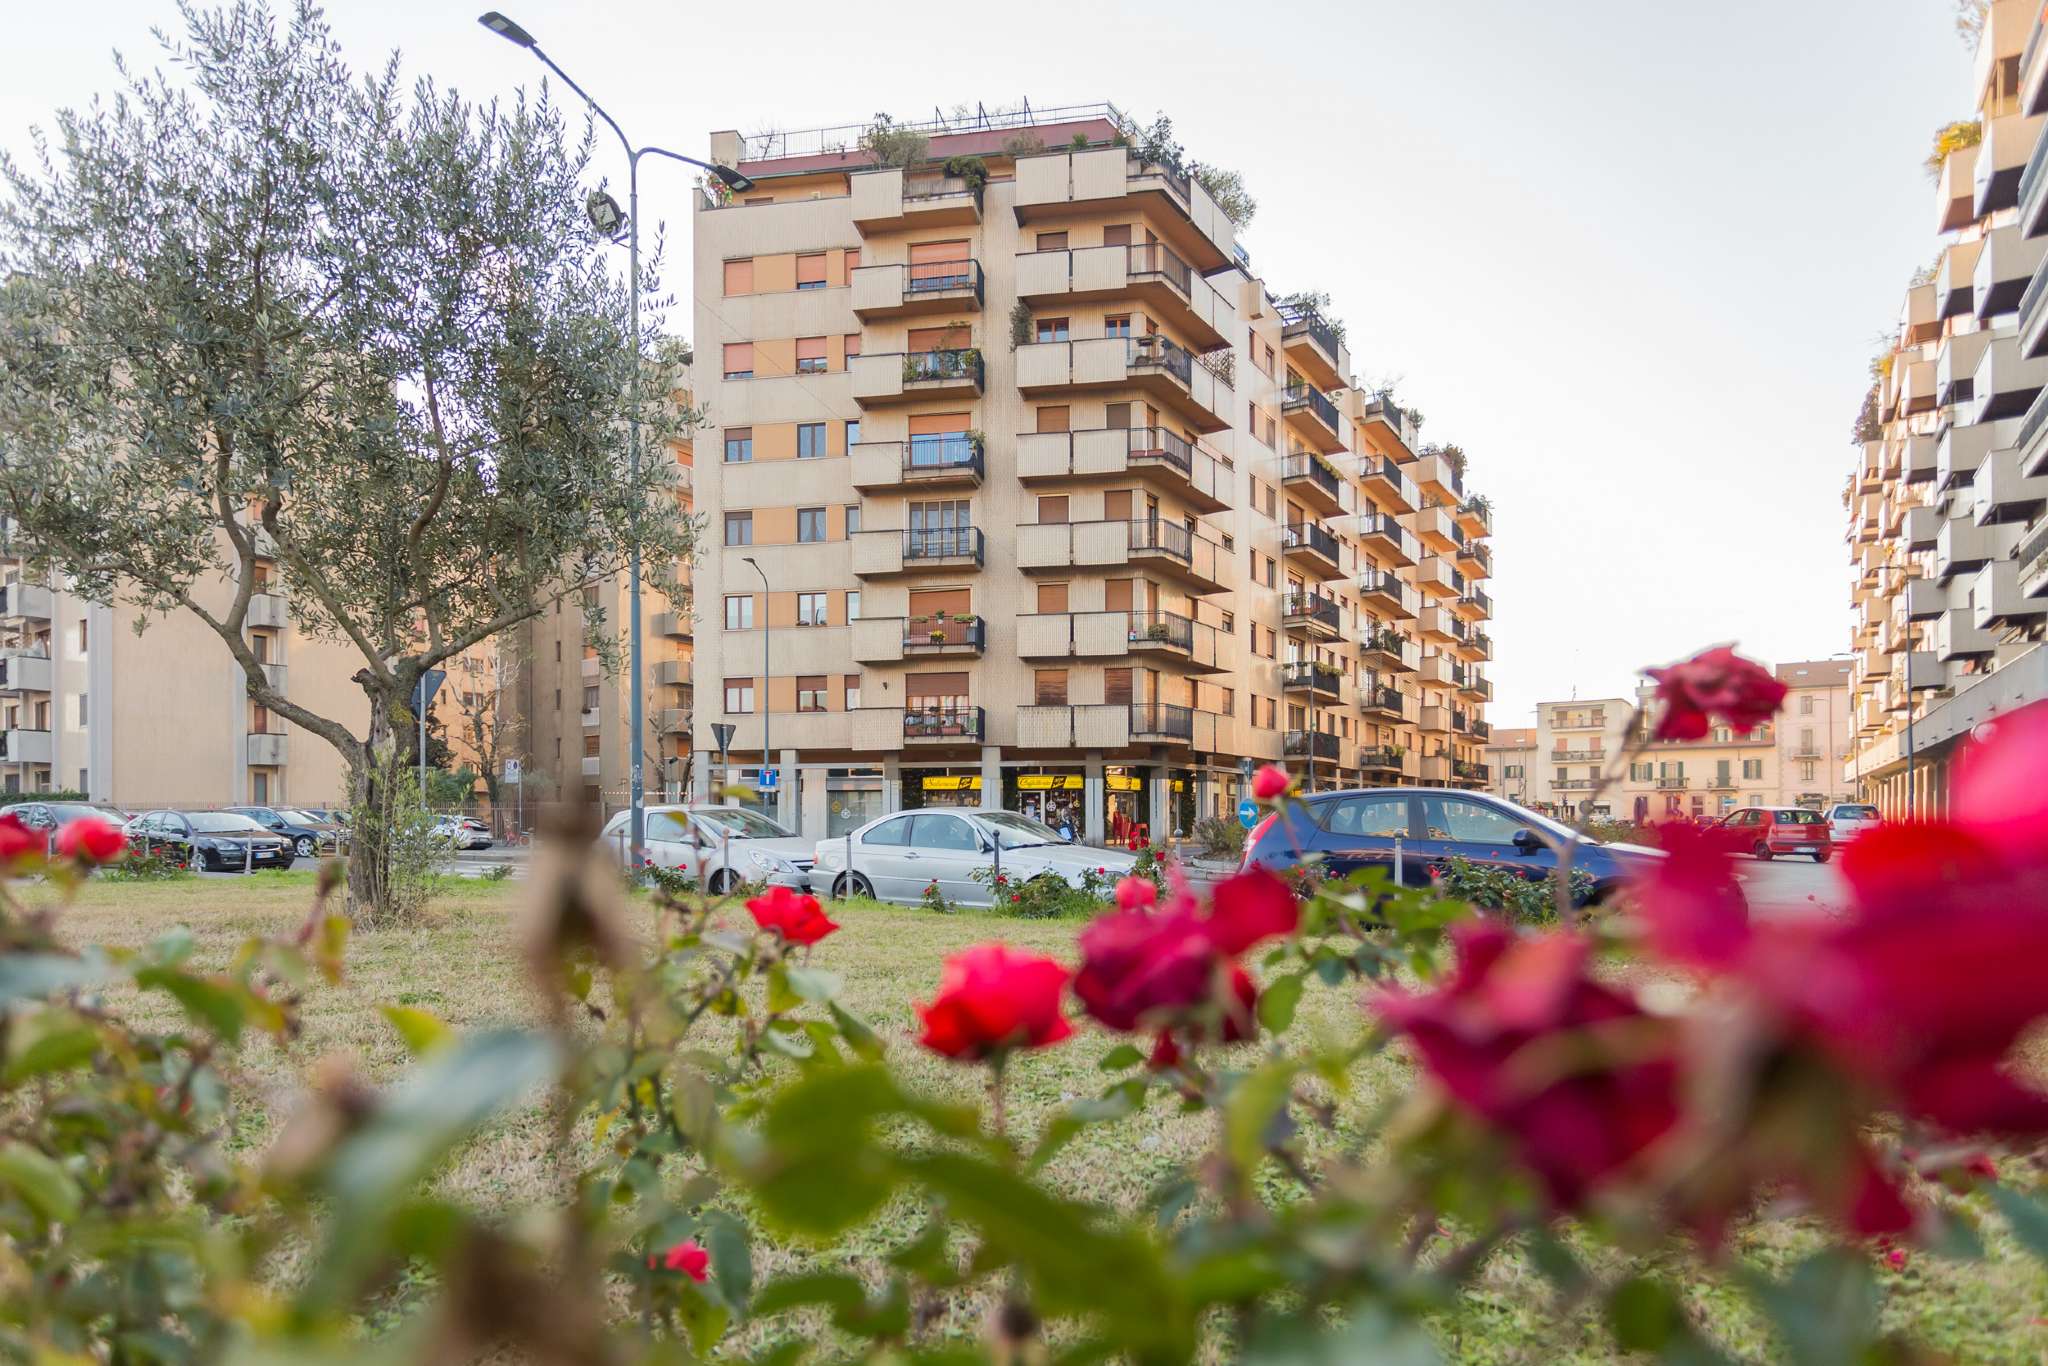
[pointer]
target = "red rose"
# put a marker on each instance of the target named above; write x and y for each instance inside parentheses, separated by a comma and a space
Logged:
(1136, 894)
(1514, 1000)
(687, 1257)
(1270, 782)
(1692, 906)
(795, 915)
(992, 999)
(2000, 797)
(91, 840)
(18, 844)
(1179, 968)
(1252, 906)
(1715, 683)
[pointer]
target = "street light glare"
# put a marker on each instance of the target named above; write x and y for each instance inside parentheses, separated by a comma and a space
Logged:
(505, 28)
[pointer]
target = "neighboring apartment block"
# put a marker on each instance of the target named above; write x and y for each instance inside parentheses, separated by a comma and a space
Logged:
(1511, 763)
(1034, 495)
(163, 718)
(1947, 541)
(1576, 740)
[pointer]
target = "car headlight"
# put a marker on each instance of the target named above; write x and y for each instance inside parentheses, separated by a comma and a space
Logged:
(832, 855)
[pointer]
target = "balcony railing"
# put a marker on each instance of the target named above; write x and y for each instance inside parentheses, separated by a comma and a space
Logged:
(1469, 771)
(943, 634)
(1163, 447)
(1152, 258)
(1381, 581)
(1298, 396)
(1162, 537)
(945, 722)
(942, 277)
(1671, 783)
(953, 363)
(1308, 744)
(1380, 697)
(1313, 608)
(1302, 465)
(1157, 353)
(1306, 673)
(1382, 757)
(1578, 756)
(1482, 730)
(1309, 536)
(1301, 318)
(1162, 719)
(1478, 598)
(943, 543)
(942, 451)
(1384, 642)
(1161, 628)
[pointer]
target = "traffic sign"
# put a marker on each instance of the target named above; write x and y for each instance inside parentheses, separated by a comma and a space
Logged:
(512, 770)
(721, 733)
(423, 691)
(1248, 813)
(770, 779)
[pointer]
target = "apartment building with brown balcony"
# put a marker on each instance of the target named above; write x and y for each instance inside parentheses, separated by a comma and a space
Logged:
(1946, 538)
(1034, 493)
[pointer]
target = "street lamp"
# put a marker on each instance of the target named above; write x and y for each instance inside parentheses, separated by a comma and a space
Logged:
(605, 217)
(767, 628)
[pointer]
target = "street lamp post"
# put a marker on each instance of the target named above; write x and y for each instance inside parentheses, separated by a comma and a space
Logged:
(607, 221)
(767, 711)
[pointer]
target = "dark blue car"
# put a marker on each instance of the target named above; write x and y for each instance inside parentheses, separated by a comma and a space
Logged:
(1431, 826)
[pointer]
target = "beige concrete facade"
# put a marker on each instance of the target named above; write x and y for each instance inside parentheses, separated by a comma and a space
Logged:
(1511, 763)
(1057, 506)
(1947, 543)
(163, 718)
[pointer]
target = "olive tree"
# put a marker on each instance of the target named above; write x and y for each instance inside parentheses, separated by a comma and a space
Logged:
(261, 312)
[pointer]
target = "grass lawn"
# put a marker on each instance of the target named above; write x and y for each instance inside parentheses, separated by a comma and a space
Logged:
(463, 965)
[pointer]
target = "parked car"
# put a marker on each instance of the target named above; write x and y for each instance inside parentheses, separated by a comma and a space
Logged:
(1360, 829)
(463, 832)
(896, 857)
(719, 846)
(1847, 820)
(1768, 831)
(310, 836)
(218, 841)
(50, 817)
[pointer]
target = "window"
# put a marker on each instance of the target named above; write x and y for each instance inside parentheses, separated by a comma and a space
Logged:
(259, 721)
(853, 604)
(1052, 597)
(1116, 416)
(1639, 773)
(852, 430)
(739, 360)
(590, 697)
(853, 692)
(739, 612)
(810, 354)
(739, 445)
(739, 528)
(851, 263)
(81, 647)
(1052, 509)
(810, 692)
(895, 834)
(1049, 687)
(1053, 419)
(1806, 704)
(84, 712)
(810, 270)
(1117, 327)
(1052, 241)
(852, 518)
(810, 610)
(944, 832)
(1806, 768)
(739, 696)
(810, 440)
(810, 524)
(853, 348)
(1752, 768)
(1116, 235)
(1116, 686)
(1459, 818)
(1052, 329)
(1377, 817)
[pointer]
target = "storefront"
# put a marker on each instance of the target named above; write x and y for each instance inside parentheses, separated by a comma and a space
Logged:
(853, 797)
(1056, 796)
(959, 786)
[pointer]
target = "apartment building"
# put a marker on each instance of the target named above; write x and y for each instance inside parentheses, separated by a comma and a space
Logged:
(1947, 542)
(163, 718)
(1576, 740)
(1028, 491)
(1510, 757)
(568, 717)
(1816, 733)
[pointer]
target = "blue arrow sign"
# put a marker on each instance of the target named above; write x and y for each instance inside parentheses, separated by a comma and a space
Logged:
(1248, 813)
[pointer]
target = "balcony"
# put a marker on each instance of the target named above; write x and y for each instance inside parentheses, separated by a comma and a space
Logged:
(1476, 687)
(1436, 529)
(1474, 560)
(1437, 579)
(892, 199)
(1436, 720)
(1474, 648)
(1382, 536)
(592, 718)
(2001, 159)
(1318, 680)
(944, 725)
(1952, 277)
(1313, 615)
(1468, 773)
(2000, 493)
(2032, 559)
(672, 673)
(936, 460)
(1673, 784)
(1439, 626)
(1387, 424)
(673, 625)
(1925, 599)
(1168, 547)
(1595, 756)
(919, 289)
(1383, 759)
(1918, 459)
(1922, 527)
(1153, 274)
(2033, 316)
(1955, 635)
(1311, 549)
(2005, 383)
(25, 747)
(1996, 601)
(1961, 547)
(1382, 590)
(1314, 347)
(1151, 364)
(24, 671)
(1382, 701)
(880, 553)
(1956, 367)
(1195, 644)
(1954, 188)
(1161, 457)
(593, 765)
(1054, 186)
(1475, 604)
(267, 749)
(1309, 744)
(25, 601)
(2005, 268)
(1436, 770)
(1310, 415)
(1389, 652)
(1312, 480)
(1917, 321)
(1157, 721)
(673, 721)
(1438, 476)
(1475, 516)
(1387, 484)
(960, 635)
(914, 376)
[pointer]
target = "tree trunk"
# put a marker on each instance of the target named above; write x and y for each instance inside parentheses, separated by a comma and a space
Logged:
(379, 805)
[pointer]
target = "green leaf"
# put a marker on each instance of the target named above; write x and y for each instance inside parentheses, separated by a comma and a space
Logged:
(1826, 1311)
(422, 1031)
(1369, 1334)
(830, 1288)
(31, 976)
(814, 984)
(1645, 1315)
(817, 1170)
(50, 1041)
(1252, 1108)
(1116, 1103)
(219, 1008)
(732, 1257)
(46, 1187)
(2029, 1222)
(1122, 1056)
(1278, 1001)
(858, 1036)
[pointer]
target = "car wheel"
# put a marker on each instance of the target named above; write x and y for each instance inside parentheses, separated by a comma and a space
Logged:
(1823, 856)
(304, 848)
(1762, 851)
(723, 881)
(851, 885)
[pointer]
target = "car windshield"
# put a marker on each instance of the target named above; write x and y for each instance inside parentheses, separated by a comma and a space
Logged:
(741, 823)
(66, 812)
(1800, 816)
(1856, 813)
(298, 817)
(1017, 832)
(220, 823)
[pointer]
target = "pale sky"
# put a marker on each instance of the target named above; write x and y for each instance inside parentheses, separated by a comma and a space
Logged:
(1631, 256)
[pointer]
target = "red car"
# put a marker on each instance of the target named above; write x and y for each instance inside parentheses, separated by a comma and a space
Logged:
(1768, 831)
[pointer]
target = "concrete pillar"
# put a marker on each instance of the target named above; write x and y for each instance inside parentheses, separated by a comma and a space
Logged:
(816, 805)
(892, 784)
(1159, 810)
(992, 776)
(787, 799)
(700, 775)
(1091, 798)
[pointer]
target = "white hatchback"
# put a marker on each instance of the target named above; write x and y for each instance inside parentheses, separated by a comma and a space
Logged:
(719, 846)
(895, 857)
(1847, 820)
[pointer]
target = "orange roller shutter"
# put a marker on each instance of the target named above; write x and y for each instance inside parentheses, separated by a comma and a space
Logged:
(739, 276)
(937, 424)
(810, 269)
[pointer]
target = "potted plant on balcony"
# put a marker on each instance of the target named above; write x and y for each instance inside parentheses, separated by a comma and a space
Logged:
(1157, 630)
(970, 169)
(965, 618)
(938, 635)
(976, 441)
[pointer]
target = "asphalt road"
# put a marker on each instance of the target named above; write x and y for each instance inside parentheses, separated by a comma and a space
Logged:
(1787, 887)
(467, 863)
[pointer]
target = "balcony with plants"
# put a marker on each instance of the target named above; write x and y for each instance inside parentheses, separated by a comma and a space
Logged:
(1310, 745)
(944, 633)
(1385, 650)
(1312, 676)
(1313, 341)
(914, 376)
(1312, 615)
(930, 460)
(1315, 482)
(1312, 549)
(945, 724)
